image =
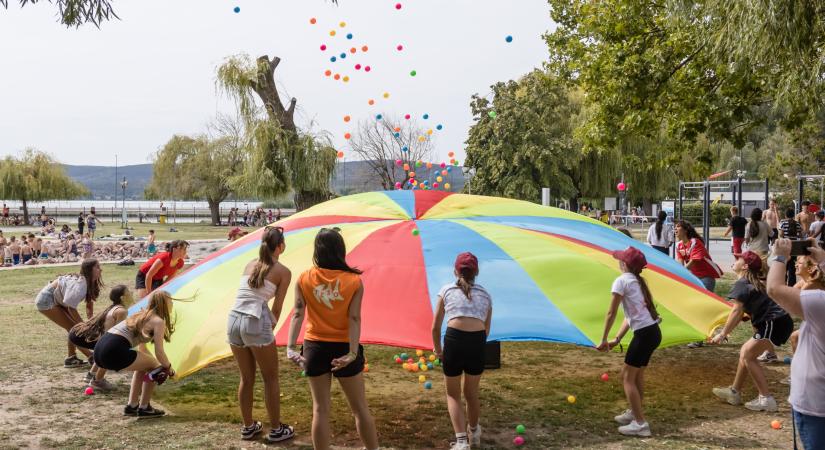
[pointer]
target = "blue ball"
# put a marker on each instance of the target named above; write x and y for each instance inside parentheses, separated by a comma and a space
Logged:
(430, 365)
(333, 59)
(404, 356)
(426, 116)
(343, 55)
(449, 168)
(349, 35)
(405, 149)
(398, 135)
(428, 385)
(787, 360)
(378, 117)
(439, 127)
(237, 9)
(509, 39)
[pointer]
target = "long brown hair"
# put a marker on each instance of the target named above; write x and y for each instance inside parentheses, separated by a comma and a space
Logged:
(331, 251)
(92, 329)
(754, 277)
(86, 272)
(159, 305)
(273, 237)
(466, 279)
(651, 308)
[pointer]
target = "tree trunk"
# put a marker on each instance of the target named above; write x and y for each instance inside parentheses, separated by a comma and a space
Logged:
(647, 206)
(306, 199)
(215, 211)
(26, 212)
(574, 203)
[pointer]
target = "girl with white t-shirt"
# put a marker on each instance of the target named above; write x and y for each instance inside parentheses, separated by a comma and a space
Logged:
(631, 290)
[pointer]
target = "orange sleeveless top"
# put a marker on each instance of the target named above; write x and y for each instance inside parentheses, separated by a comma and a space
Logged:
(327, 294)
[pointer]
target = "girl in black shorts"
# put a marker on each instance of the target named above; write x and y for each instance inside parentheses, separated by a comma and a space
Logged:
(631, 291)
(468, 309)
(771, 324)
(115, 351)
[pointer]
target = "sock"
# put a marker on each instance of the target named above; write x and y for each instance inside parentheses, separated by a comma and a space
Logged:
(461, 438)
(473, 429)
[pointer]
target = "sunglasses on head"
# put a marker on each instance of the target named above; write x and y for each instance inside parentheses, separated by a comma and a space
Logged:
(274, 227)
(335, 229)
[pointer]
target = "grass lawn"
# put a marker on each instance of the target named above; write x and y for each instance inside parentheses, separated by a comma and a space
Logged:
(188, 231)
(41, 404)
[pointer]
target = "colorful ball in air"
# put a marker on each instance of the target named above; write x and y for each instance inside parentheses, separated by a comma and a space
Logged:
(776, 425)
(237, 9)
(332, 32)
(342, 24)
(378, 117)
(358, 67)
(449, 168)
(443, 165)
(347, 118)
(422, 378)
(406, 167)
(405, 149)
(346, 78)
(340, 154)
(89, 390)
(411, 174)
(787, 360)
(413, 73)
(333, 59)
(429, 165)
(446, 185)
(386, 95)
(399, 47)
(343, 55)
(509, 39)
(398, 185)
(520, 429)
(313, 21)
(323, 47)
(353, 50)
(347, 135)
(435, 186)
(412, 182)
(430, 132)
(492, 114)
(452, 161)
(518, 441)
(367, 69)
(443, 172)
(349, 35)
(415, 232)
(398, 6)
(439, 179)
(451, 154)
(421, 139)
(370, 102)
(398, 162)
(428, 385)
(621, 187)
(364, 48)
(439, 127)
(407, 116)
(337, 76)
(397, 135)
(605, 377)
(425, 116)
(328, 73)
(571, 399)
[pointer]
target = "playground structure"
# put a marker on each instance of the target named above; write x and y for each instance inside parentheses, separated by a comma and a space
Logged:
(738, 189)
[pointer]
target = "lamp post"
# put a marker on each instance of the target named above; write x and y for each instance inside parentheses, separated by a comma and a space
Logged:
(123, 220)
(469, 173)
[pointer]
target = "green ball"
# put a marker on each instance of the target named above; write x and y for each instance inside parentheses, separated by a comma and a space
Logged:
(413, 73)
(520, 429)
(303, 373)
(415, 232)
(437, 362)
(492, 114)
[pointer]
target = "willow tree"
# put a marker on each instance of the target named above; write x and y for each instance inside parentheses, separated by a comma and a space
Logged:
(74, 13)
(35, 176)
(282, 157)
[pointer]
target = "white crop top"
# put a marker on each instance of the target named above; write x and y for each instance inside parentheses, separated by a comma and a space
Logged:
(253, 301)
(456, 304)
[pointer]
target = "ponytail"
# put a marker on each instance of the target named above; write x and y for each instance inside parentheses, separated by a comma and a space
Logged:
(273, 237)
(651, 308)
(466, 278)
(756, 216)
(92, 329)
(755, 279)
(660, 221)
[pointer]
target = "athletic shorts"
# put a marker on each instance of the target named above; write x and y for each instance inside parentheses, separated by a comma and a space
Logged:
(45, 299)
(463, 352)
(140, 281)
(244, 330)
(318, 358)
(778, 330)
(114, 352)
(645, 341)
(81, 342)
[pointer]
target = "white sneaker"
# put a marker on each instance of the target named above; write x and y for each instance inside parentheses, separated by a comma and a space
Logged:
(635, 429)
(460, 446)
(729, 395)
(767, 357)
(625, 418)
(762, 403)
(475, 435)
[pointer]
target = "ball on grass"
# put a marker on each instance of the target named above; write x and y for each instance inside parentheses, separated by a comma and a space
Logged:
(518, 441)
(89, 390)
(419, 352)
(787, 360)
(432, 358)
(776, 425)
(605, 377)
(571, 399)
(428, 385)
(422, 378)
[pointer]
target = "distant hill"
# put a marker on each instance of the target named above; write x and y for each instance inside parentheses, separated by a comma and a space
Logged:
(350, 177)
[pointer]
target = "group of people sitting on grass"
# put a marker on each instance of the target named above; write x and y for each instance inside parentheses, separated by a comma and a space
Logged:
(328, 298)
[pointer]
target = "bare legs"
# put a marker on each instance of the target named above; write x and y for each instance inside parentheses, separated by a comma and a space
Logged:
(65, 320)
(267, 359)
(353, 388)
(454, 403)
(633, 381)
(140, 392)
(748, 364)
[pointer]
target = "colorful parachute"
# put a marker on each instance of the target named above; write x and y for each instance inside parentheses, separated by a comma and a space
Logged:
(549, 272)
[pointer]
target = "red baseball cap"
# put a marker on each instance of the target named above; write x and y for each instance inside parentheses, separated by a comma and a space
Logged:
(752, 260)
(466, 260)
(632, 257)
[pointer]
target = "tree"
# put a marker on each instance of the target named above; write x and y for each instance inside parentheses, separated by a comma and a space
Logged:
(74, 13)
(35, 176)
(376, 143)
(282, 156)
(197, 168)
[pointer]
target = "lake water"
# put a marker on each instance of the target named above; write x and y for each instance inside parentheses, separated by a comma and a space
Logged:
(130, 204)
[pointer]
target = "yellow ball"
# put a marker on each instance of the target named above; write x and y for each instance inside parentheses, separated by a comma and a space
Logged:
(342, 24)
(446, 185)
(432, 357)
(439, 179)
(430, 131)
(571, 399)
(419, 352)
(421, 138)
(386, 95)
(422, 378)
(424, 367)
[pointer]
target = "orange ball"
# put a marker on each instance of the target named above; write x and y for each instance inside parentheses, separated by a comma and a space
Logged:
(313, 21)
(353, 50)
(371, 102)
(332, 33)
(328, 73)
(451, 154)
(364, 48)
(346, 118)
(347, 136)
(337, 76)
(429, 165)
(776, 425)
(397, 129)
(340, 154)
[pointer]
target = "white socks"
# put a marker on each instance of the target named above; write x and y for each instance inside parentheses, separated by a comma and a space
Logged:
(461, 438)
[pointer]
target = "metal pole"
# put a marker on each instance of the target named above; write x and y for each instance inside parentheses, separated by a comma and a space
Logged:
(820, 192)
(681, 193)
(739, 201)
(706, 218)
(801, 192)
(767, 193)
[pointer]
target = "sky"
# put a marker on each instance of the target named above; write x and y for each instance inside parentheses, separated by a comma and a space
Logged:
(87, 95)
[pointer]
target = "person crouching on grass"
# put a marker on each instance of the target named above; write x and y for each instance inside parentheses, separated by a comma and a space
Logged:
(631, 291)
(86, 334)
(468, 309)
(772, 326)
(115, 351)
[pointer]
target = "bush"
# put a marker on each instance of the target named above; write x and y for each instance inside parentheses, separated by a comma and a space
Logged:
(719, 214)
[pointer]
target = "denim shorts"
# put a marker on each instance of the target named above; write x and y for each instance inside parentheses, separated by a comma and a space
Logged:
(244, 330)
(45, 299)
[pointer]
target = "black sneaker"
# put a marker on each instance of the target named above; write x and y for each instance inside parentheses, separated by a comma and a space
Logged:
(149, 412)
(130, 411)
(73, 362)
(282, 433)
(249, 433)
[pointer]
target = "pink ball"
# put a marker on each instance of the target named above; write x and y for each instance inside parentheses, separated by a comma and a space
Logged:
(400, 47)
(89, 391)
(443, 165)
(398, 186)
(605, 377)
(323, 47)
(435, 185)
(621, 187)
(367, 69)
(407, 116)
(518, 441)
(398, 162)
(358, 67)
(398, 6)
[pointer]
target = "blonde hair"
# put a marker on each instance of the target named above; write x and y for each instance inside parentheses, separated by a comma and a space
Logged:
(160, 304)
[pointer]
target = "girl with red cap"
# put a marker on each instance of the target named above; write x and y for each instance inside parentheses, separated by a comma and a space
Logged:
(468, 309)
(631, 291)
(771, 324)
